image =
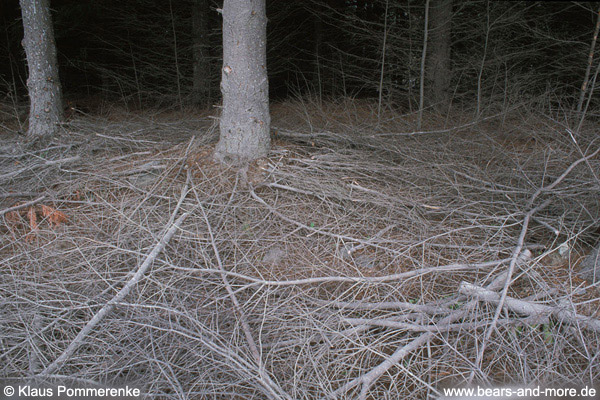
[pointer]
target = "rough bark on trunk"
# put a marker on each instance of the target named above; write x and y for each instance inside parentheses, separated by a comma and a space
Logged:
(200, 30)
(45, 94)
(438, 66)
(245, 119)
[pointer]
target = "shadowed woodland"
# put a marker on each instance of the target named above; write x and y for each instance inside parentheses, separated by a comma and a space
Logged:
(427, 214)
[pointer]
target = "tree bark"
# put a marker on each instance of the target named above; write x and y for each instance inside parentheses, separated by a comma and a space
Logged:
(439, 71)
(45, 94)
(245, 120)
(201, 46)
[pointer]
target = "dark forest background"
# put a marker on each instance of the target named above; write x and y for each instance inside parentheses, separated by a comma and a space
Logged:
(140, 52)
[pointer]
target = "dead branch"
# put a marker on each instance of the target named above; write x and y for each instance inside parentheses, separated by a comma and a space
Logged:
(531, 309)
(47, 163)
(21, 206)
(110, 305)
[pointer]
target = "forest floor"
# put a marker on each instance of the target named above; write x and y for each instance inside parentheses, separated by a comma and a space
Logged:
(364, 258)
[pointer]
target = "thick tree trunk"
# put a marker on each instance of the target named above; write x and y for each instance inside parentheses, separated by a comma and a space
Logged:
(45, 95)
(200, 30)
(245, 119)
(439, 71)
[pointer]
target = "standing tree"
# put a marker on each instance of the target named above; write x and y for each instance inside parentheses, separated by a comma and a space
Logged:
(438, 72)
(245, 120)
(201, 46)
(318, 44)
(45, 95)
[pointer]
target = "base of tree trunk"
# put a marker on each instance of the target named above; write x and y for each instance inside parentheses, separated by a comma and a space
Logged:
(236, 150)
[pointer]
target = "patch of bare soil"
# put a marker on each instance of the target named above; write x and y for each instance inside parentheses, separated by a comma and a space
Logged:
(360, 259)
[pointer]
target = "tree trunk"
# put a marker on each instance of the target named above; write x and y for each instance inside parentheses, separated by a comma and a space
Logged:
(318, 40)
(245, 119)
(438, 66)
(201, 46)
(45, 94)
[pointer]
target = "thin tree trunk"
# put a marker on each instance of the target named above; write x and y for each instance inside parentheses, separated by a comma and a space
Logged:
(201, 46)
(45, 94)
(438, 73)
(586, 77)
(175, 49)
(483, 60)
(245, 119)
(423, 58)
(385, 33)
(318, 39)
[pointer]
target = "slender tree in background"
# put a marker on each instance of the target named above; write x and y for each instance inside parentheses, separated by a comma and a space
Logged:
(438, 68)
(423, 59)
(586, 78)
(201, 45)
(385, 32)
(245, 119)
(45, 95)
(318, 44)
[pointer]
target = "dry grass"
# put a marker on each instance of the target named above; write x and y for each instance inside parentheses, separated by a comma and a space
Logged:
(348, 243)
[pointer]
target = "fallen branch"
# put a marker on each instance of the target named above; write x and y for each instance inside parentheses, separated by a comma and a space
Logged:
(386, 305)
(110, 305)
(18, 194)
(273, 389)
(442, 328)
(531, 309)
(368, 379)
(44, 164)
(254, 281)
(517, 256)
(236, 304)
(520, 245)
(24, 205)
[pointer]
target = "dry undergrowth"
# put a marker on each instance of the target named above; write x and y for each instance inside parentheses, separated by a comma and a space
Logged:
(358, 260)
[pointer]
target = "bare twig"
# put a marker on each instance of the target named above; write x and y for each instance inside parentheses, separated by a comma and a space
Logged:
(21, 206)
(236, 305)
(110, 305)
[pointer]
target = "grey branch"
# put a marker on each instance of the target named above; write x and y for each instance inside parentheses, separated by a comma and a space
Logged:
(110, 305)
(530, 309)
